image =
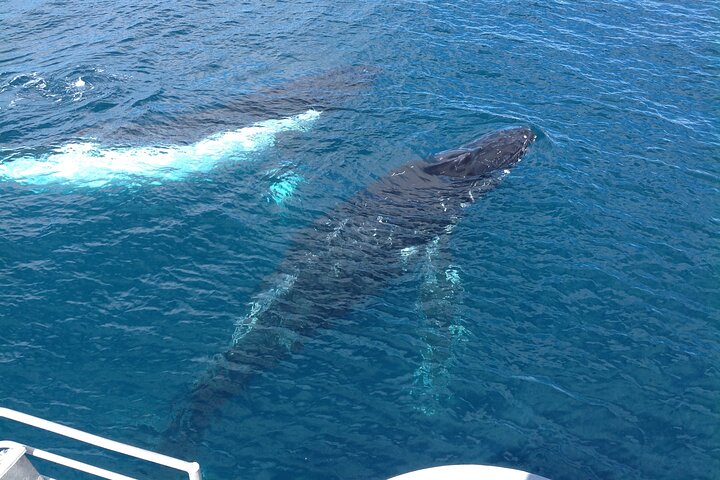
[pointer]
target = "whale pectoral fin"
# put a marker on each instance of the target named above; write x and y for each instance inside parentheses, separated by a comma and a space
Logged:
(441, 326)
(282, 183)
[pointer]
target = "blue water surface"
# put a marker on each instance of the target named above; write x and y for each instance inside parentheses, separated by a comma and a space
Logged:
(586, 303)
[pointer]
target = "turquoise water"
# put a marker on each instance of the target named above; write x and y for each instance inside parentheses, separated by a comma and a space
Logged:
(583, 290)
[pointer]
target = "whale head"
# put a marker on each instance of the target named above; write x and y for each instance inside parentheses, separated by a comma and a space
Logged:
(495, 151)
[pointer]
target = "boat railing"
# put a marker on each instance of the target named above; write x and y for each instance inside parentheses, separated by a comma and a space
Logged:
(16, 451)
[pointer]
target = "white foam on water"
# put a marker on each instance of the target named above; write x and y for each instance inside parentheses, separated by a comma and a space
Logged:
(93, 165)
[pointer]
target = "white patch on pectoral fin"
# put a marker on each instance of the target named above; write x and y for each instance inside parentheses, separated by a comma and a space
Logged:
(440, 326)
(283, 185)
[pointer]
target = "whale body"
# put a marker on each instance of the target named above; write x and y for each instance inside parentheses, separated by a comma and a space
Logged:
(160, 148)
(346, 256)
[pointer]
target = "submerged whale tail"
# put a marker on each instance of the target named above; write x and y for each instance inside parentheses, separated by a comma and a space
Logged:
(260, 341)
(225, 380)
(218, 385)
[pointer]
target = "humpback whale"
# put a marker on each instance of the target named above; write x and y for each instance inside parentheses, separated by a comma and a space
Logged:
(162, 148)
(346, 256)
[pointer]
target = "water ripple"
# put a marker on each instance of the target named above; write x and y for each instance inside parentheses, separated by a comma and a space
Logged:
(589, 275)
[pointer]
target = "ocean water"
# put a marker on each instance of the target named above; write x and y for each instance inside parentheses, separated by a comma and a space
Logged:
(156, 159)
